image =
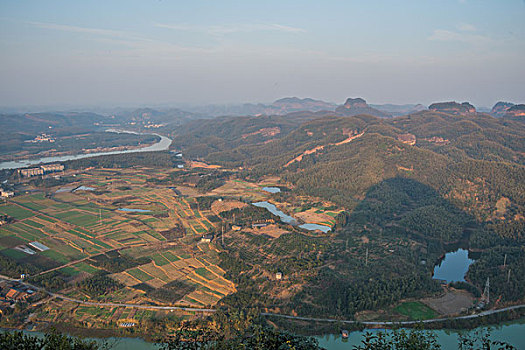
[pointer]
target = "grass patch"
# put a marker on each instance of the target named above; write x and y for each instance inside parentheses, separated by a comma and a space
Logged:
(415, 310)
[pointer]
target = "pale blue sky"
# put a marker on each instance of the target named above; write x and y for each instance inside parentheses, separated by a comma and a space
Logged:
(169, 52)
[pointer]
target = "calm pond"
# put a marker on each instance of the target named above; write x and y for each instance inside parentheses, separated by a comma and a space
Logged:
(162, 145)
(453, 267)
(313, 227)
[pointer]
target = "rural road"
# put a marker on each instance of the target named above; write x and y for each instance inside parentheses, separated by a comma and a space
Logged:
(368, 323)
(402, 323)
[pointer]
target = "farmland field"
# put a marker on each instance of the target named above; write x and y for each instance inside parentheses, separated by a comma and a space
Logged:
(154, 257)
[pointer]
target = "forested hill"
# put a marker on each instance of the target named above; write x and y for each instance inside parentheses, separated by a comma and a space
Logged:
(199, 138)
(476, 161)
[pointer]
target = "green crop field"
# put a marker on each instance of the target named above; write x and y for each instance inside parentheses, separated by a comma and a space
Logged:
(203, 272)
(160, 260)
(170, 256)
(15, 211)
(82, 266)
(141, 275)
(56, 256)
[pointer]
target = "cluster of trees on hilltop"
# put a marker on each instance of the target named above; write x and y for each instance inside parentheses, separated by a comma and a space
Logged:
(99, 284)
(115, 262)
(248, 215)
(126, 160)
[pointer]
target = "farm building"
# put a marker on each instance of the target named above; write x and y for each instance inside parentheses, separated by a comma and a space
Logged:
(39, 246)
(207, 238)
(127, 324)
(6, 193)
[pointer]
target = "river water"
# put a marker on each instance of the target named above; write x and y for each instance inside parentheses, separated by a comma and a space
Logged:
(162, 145)
(512, 333)
(509, 332)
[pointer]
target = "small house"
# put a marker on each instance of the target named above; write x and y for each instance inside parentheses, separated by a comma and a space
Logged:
(6, 193)
(278, 275)
(207, 238)
(236, 227)
(127, 324)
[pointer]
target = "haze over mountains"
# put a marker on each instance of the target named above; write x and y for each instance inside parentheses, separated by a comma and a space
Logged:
(38, 122)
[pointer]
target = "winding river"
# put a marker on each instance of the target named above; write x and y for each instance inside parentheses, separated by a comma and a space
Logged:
(162, 145)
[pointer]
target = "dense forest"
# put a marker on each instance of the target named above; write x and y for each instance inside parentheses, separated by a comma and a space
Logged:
(126, 160)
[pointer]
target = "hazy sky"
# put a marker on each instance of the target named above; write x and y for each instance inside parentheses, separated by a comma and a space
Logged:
(153, 52)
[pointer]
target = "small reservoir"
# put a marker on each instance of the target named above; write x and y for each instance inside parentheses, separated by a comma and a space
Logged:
(84, 188)
(271, 189)
(453, 267)
(313, 227)
(290, 220)
(273, 209)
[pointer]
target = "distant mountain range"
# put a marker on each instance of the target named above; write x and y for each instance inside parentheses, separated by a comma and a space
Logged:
(294, 104)
(279, 107)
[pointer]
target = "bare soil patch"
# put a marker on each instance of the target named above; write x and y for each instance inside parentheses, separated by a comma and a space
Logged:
(188, 191)
(196, 164)
(273, 231)
(220, 206)
(312, 217)
(453, 302)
